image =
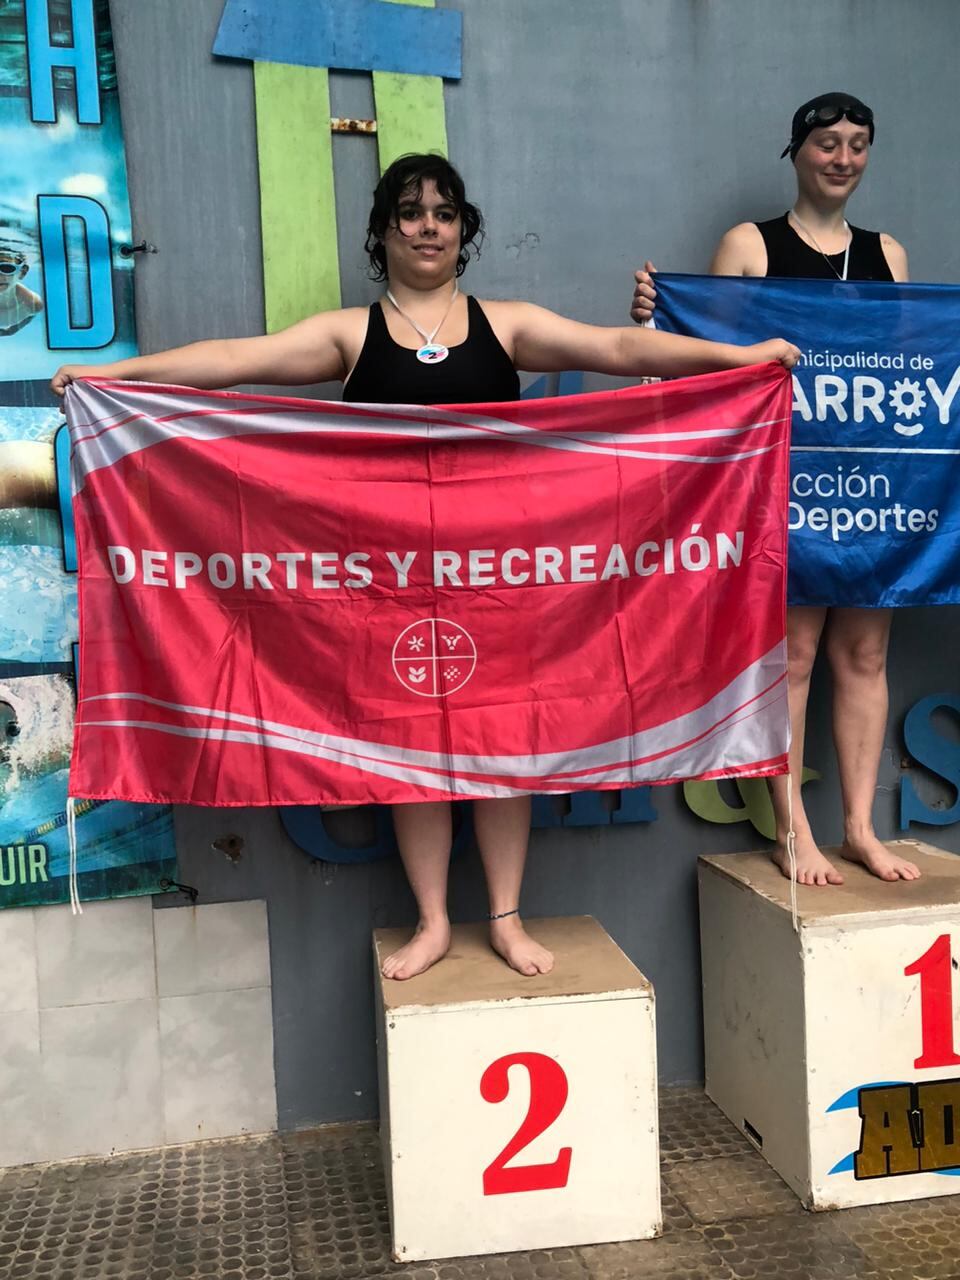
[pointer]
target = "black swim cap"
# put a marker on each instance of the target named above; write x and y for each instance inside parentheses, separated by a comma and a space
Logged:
(823, 111)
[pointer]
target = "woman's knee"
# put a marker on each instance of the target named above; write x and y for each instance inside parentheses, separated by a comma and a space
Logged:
(801, 654)
(863, 656)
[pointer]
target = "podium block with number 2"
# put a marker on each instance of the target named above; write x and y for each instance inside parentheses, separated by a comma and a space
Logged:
(518, 1113)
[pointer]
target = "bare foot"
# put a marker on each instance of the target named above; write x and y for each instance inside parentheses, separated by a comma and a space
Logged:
(429, 944)
(510, 940)
(879, 860)
(812, 866)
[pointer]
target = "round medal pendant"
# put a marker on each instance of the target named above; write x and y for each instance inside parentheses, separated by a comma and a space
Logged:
(432, 353)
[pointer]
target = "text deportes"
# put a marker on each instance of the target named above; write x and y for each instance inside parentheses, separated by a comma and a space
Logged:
(486, 567)
(839, 520)
(851, 483)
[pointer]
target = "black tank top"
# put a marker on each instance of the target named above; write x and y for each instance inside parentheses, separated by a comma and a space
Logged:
(788, 255)
(477, 370)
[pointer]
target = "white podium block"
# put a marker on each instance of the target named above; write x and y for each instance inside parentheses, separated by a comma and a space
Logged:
(518, 1113)
(837, 1050)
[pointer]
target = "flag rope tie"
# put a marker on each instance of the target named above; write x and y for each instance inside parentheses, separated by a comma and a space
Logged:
(792, 855)
(71, 812)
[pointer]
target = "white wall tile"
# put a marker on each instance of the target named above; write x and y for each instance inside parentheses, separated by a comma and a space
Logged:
(101, 1076)
(217, 1055)
(104, 955)
(18, 960)
(220, 946)
(21, 1090)
(93, 1061)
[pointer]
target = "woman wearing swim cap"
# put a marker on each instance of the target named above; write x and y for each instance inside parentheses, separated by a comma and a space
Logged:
(427, 342)
(829, 145)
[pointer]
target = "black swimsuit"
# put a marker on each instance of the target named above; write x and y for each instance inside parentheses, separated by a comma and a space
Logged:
(477, 370)
(788, 255)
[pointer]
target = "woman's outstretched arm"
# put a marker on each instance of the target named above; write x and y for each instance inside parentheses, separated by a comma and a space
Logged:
(311, 351)
(544, 342)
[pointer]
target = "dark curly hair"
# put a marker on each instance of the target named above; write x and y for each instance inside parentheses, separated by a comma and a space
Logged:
(409, 173)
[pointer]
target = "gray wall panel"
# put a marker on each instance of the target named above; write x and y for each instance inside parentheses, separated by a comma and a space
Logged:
(592, 135)
(190, 134)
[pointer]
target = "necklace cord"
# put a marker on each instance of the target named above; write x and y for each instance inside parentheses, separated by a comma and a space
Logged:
(427, 337)
(846, 253)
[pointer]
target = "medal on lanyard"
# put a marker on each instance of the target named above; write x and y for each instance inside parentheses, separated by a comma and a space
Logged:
(431, 352)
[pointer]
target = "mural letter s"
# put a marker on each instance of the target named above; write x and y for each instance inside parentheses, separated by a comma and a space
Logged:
(935, 752)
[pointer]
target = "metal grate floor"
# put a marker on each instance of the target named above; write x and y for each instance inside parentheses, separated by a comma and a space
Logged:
(311, 1206)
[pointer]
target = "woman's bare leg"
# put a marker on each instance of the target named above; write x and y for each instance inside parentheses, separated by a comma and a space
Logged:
(857, 646)
(502, 829)
(424, 834)
(804, 628)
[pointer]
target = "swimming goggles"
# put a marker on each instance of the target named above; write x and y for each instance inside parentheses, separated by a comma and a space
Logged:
(826, 115)
(9, 268)
(830, 113)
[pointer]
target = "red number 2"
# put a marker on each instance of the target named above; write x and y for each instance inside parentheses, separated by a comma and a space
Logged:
(548, 1096)
(936, 1004)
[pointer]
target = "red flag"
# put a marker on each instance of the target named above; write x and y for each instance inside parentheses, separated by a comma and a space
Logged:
(297, 602)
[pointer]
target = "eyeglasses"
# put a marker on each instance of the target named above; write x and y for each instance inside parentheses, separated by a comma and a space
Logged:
(10, 268)
(820, 117)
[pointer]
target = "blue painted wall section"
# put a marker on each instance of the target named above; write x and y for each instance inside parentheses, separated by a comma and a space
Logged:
(305, 826)
(569, 383)
(350, 35)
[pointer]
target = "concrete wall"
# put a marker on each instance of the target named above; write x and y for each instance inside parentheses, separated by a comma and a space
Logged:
(592, 135)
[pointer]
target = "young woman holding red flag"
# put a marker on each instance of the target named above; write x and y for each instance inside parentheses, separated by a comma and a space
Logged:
(426, 342)
(829, 145)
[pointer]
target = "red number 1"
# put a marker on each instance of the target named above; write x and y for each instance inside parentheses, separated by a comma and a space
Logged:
(935, 969)
(548, 1097)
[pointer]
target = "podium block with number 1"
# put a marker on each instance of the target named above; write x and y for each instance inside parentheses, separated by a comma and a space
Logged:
(518, 1113)
(836, 1048)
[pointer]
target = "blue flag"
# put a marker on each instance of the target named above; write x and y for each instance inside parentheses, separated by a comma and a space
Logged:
(874, 492)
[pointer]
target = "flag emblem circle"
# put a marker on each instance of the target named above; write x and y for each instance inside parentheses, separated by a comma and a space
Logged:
(434, 657)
